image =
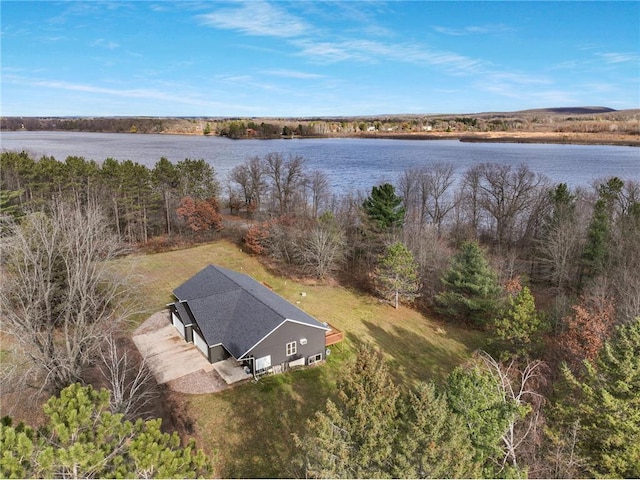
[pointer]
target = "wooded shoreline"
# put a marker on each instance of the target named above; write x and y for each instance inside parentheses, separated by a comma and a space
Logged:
(579, 126)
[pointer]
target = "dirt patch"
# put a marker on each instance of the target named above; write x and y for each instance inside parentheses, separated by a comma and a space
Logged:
(153, 323)
(198, 382)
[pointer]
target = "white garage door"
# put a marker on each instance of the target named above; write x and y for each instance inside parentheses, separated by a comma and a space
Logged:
(178, 324)
(201, 344)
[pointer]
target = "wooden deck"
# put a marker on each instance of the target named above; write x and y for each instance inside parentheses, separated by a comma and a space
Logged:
(333, 336)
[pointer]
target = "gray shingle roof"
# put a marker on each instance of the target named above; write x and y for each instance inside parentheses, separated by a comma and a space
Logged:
(236, 311)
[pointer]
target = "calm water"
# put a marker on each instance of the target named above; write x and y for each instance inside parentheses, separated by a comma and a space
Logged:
(349, 163)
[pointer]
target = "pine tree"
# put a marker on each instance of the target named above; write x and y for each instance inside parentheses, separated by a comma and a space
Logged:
(434, 442)
(470, 287)
(384, 208)
(396, 276)
(353, 437)
(83, 439)
(477, 396)
(595, 255)
(605, 403)
(518, 327)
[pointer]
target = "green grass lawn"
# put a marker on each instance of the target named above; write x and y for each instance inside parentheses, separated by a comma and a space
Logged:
(249, 427)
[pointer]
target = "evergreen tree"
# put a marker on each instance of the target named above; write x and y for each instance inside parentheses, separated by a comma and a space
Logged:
(384, 208)
(470, 287)
(396, 276)
(433, 442)
(83, 439)
(165, 180)
(563, 203)
(605, 403)
(517, 328)
(596, 253)
(353, 437)
(196, 179)
(476, 395)
(9, 208)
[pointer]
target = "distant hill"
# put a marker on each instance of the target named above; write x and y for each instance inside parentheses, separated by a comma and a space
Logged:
(570, 110)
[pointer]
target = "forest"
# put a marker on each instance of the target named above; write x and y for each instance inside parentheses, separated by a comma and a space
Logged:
(550, 274)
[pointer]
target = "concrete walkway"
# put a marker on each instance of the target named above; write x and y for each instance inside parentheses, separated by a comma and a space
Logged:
(231, 371)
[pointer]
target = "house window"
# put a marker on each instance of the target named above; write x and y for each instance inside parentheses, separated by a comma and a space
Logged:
(291, 349)
(315, 359)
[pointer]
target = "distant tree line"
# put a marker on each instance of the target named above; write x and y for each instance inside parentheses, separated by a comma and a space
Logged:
(585, 120)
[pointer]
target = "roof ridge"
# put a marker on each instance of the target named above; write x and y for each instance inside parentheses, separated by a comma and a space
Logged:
(224, 270)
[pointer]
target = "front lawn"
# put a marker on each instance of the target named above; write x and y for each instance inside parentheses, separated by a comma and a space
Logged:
(249, 427)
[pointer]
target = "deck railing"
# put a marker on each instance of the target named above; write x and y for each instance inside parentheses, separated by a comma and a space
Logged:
(333, 336)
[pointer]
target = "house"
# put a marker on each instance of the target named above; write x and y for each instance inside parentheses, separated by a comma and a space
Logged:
(229, 314)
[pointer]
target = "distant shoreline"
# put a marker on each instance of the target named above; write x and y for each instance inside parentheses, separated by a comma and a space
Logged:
(569, 138)
(557, 138)
(572, 126)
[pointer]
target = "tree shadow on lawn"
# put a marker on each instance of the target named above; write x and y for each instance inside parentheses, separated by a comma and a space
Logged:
(412, 358)
(256, 438)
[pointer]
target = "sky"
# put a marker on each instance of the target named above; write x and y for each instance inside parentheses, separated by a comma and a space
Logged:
(315, 58)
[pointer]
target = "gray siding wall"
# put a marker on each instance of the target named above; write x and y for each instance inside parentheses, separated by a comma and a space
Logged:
(276, 343)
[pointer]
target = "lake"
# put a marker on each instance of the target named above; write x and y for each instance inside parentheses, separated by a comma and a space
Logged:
(350, 163)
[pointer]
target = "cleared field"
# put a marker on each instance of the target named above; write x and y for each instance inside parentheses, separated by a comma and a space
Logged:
(248, 428)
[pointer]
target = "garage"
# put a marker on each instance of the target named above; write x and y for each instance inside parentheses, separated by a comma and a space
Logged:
(178, 324)
(200, 343)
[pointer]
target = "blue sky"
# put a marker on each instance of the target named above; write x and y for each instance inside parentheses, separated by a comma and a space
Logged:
(310, 58)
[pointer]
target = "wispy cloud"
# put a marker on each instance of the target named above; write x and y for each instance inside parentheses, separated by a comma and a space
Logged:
(321, 46)
(256, 18)
(293, 74)
(140, 93)
(600, 87)
(490, 29)
(368, 51)
(597, 60)
(618, 57)
(250, 83)
(102, 43)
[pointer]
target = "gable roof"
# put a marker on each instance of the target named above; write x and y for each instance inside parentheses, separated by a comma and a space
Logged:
(236, 311)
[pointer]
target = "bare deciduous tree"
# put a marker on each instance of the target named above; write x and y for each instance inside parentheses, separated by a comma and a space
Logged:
(131, 382)
(61, 294)
(321, 251)
(518, 386)
(426, 193)
(468, 202)
(320, 191)
(286, 176)
(559, 252)
(507, 194)
(437, 182)
(250, 176)
(431, 253)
